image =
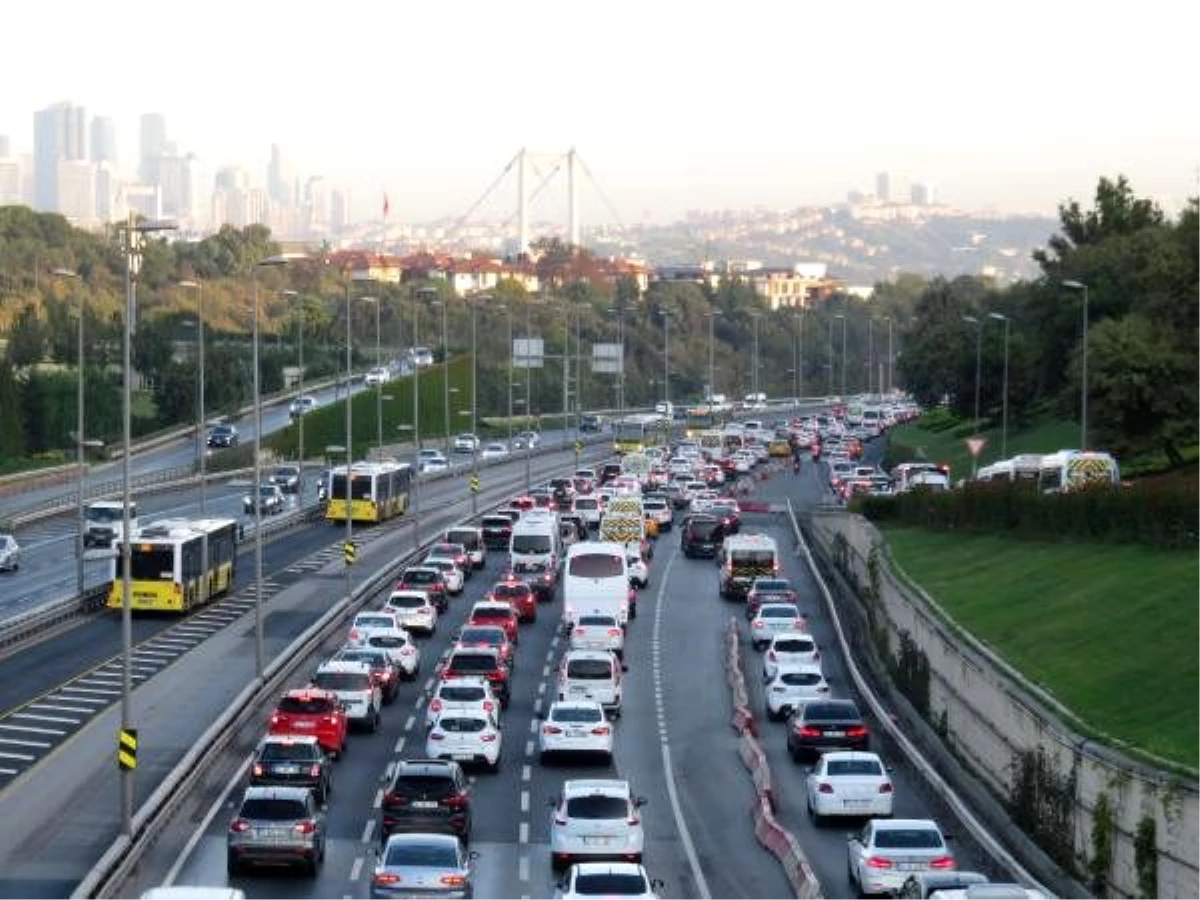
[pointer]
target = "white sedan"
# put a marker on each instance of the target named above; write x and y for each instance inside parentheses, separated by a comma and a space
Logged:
(465, 736)
(576, 726)
(494, 451)
(467, 692)
(396, 642)
(792, 685)
(414, 611)
(598, 631)
(773, 619)
(627, 881)
(849, 783)
(789, 648)
(887, 851)
(455, 578)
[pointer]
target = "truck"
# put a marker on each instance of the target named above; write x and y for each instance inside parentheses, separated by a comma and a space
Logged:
(104, 523)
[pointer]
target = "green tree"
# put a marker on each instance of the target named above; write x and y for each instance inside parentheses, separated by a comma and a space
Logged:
(27, 339)
(151, 350)
(12, 429)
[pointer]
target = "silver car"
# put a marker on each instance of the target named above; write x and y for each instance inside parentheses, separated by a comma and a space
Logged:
(10, 553)
(424, 865)
(276, 826)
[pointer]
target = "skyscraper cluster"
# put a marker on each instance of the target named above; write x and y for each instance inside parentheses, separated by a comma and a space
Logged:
(74, 170)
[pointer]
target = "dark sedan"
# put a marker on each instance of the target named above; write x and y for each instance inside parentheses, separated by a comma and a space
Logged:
(222, 436)
(824, 725)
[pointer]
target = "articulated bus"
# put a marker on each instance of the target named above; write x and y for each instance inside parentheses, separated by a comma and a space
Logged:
(633, 434)
(378, 491)
(176, 564)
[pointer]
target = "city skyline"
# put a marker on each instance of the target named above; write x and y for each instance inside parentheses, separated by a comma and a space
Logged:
(432, 121)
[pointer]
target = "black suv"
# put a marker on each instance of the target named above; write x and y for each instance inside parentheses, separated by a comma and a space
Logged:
(609, 472)
(427, 795)
(223, 436)
(701, 535)
(479, 662)
(497, 532)
(292, 759)
(590, 422)
(822, 725)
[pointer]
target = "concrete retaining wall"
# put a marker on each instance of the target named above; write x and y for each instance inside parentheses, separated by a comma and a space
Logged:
(991, 714)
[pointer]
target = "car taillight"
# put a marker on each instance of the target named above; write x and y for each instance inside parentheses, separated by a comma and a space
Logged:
(878, 862)
(614, 632)
(885, 788)
(579, 631)
(600, 730)
(551, 729)
(489, 737)
(825, 788)
(453, 880)
(856, 731)
(942, 862)
(332, 720)
(800, 624)
(276, 719)
(808, 731)
(560, 819)
(495, 676)
(386, 878)
(633, 820)
(258, 769)
(759, 623)
(436, 736)
(239, 825)
(456, 801)
(314, 770)
(406, 651)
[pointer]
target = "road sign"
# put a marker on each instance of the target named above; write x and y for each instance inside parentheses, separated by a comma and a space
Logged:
(975, 446)
(474, 484)
(127, 749)
(350, 552)
(578, 447)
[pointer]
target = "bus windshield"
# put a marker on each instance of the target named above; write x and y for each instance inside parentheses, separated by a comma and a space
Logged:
(155, 564)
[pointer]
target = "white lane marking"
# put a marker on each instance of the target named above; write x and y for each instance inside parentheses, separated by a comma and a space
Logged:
(523, 833)
(526, 773)
(546, 671)
(409, 722)
(198, 833)
(533, 726)
(528, 748)
(524, 801)
(537, 707)
(399, 744)
(377, 803)
(541, 689)
(368, 830)
(684, 835)
(428, 685)
(356, 869)
(523, 868)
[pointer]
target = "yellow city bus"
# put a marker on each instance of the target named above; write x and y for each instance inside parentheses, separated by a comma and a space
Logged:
(633, 434)
(176, 564)
(378, 491)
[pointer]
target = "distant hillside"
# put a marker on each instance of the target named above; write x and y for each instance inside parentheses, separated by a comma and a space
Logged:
(857, 248)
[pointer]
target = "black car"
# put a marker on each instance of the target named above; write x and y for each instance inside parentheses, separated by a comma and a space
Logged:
(497, 532)
(222, 436)
(540, 576)
(427, 795)
(288, 478)
(824, 725)
(590, 422)
(292, 759)
(701, 536)
(609, 472)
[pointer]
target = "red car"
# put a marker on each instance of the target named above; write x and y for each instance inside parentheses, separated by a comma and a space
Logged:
(517, 594)
(487, 636)
(312, 711)
(429, 580)
(485, 612)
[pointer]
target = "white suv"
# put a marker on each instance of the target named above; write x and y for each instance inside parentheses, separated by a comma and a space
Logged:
(414, 611)
(596, 818)
(351, 681)
(598, 631)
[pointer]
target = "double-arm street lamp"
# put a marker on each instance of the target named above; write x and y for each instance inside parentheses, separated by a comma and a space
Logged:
(665, 314)
(80, 435)
(1000, 317)
(978, 360)
(201, 450)
(712, 316)
(843, 318)
(799, 357)
(445, 375)
(1083, 371)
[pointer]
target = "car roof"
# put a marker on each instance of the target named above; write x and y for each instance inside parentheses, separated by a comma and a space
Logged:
(275, 792)
(423, 838)
(903, 824)
(582, 787)
(345, 665)
(426, 766)
(791, 635)
(287, 739)
(468, 680)
(850, 755)
(576, 704)
(305, 693)
(608, 868)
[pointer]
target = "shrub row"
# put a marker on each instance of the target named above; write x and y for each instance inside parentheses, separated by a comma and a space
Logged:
(1157, 515)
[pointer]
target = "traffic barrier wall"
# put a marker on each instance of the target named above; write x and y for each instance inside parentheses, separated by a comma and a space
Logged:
(989, 716)
(784, 846)
(752, 755)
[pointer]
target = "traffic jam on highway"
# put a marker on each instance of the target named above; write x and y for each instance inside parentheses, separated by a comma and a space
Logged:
(579, 549)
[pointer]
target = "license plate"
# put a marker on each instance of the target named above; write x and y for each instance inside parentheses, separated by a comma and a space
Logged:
(303, 724)
(835, 734)
(287, 770)
(855, 804)
(596, 841)
(463, 757)
(910, 866)
(576, 689)
(424, 804)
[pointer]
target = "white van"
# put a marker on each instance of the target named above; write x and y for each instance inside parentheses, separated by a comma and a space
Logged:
(535, 542)
(591, 675)
(104, 523)
(596, 580)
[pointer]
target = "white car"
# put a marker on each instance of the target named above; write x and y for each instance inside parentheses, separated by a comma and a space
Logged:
(617, 880)
(429, 460)
(366, 623)
(575, 726)
(526, 440)
(598, 631)
(465, 693)
(394, 640)
(302, 406)
(772, 619)
(887, 851)
(596, 818)
(465, 736)
(378, 375)
(496, 450)
(466, 443)
(792, 685)
(356, 690)
(639, 571)
(790, 648)
(660, 511)
(414, 611)
(10, 553)
(455, 577)
(849, 783)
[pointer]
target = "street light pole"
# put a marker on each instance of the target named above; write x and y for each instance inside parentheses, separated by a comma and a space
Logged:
(201, 451)
(978, 356)
(829, 354)
(798, 359)
(349, 584)
(134, 235)
(1083, 374)
(666, 317)
(445, 376)
(754, 357)
(379, 385)
(843, 318)
(80, 543)
(870, 352)
(999, 317)
(891, 385)
(528, 397)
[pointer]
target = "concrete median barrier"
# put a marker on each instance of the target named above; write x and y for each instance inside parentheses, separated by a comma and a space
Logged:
(784, 847)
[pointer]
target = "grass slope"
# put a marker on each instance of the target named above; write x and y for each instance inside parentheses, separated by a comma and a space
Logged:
(1110, 631)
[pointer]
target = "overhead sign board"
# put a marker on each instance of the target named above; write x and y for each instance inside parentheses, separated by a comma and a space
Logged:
(528, 353)
(608, 359)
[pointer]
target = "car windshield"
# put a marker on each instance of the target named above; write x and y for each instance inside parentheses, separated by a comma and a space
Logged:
(472, 662)
(374, 622)
(601, 621)
(610, 884)
(794, 645)
(778, 612)
(424, 785)
(273, 809)
(408, 601)
(799, 679)
(704, 530)
(853, 767)
(467, 693)
(343, 681)
(419, 576)
(576, 714)
(589, 669)
(461, 724)
(511, 590)
(595, 565)
(531, 543)
(430, 856)
(597, 806)
(481, 636)
(274, 751)
(908, 838)
(830, 712)
(307, 706)
(491, 612)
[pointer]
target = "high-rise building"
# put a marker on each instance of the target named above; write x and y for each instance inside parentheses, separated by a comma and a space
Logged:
(10, 181)
(59, 133)
(177, 176)
(883, 186)
(103, 140)
(5, 147)
(77, 191)
(339, 209)
(923, 194)
(108, 189)
(278, 188)
(153, 144)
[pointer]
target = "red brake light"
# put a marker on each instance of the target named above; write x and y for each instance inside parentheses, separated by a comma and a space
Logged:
(856, 731)
(633, 820)
(759, 623)
(489, 737)
(258, 769)
(436, 736)
(825, 788)
(551, 729)
(456, 801)
(885, 788)
(308, 826)
(386, 878)
(878, 862)
(809, 731)
(942, 862)
(453, 880)
(239, 825)
(600, 730)
(560, 819)
(314, 770)
(614, 632)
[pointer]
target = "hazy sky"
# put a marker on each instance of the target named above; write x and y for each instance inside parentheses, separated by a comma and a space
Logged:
(1010, 105)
